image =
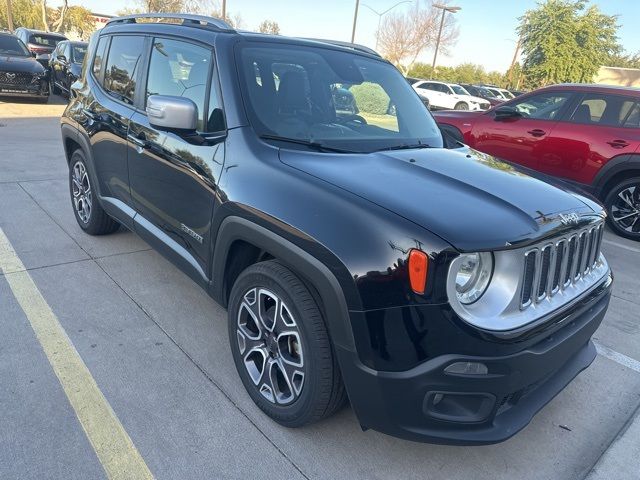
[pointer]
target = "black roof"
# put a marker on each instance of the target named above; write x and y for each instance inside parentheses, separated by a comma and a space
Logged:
(42, 32)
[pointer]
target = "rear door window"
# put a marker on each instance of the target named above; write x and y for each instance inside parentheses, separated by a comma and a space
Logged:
(602, 109)
(122, 66)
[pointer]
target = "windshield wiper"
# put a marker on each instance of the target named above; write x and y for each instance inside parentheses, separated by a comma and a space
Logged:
(405, 146)
(308, 143)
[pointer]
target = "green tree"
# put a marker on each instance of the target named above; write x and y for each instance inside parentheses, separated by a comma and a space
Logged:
(26, 13)
(624, 60)
(566, 41)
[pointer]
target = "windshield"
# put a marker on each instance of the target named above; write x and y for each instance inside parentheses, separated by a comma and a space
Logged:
(77, 53)
(459, 90)
(487, 93)
(10, 45)
(332, 98)
(507, 94)
(44, 40)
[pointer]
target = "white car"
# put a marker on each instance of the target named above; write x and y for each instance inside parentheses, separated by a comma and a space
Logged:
(449, 96)
(501, 93)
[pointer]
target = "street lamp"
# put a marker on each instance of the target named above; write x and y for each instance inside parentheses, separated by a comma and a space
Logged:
(382, 14)
(445, 9)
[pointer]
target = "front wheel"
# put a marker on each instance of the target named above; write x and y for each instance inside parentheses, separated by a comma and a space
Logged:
(461, 106)
(281, 347)
(623, 208)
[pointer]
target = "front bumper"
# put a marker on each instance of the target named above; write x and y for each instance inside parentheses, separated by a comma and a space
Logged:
(38, 89)
(428, 405)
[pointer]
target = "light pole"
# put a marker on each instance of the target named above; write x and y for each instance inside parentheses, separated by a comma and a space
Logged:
(224, 10)
(445, 9)
(355, 20)
(382, 14)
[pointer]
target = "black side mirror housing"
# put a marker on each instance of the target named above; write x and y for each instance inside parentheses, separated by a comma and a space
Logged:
(506, 113)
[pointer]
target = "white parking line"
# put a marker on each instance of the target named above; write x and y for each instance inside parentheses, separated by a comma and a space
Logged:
(618, 357)
(621, 245)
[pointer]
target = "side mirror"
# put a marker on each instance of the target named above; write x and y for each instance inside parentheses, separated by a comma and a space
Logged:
(172, 113)
(62, 58)
(506, 113)
(34, 54)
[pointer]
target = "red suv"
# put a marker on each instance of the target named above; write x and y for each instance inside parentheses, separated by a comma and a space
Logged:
(586, 134)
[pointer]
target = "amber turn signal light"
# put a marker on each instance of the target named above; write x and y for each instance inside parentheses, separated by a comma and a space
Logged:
(418, 268)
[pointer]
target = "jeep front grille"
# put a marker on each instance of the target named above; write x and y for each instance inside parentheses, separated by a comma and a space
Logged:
(568, 258)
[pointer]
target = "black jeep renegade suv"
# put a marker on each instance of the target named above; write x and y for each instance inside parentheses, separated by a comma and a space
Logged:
(448, 295)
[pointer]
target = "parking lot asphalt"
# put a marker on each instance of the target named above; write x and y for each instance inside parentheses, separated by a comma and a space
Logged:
(156, 346)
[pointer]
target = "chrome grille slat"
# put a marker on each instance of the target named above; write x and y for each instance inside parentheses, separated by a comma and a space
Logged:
(553, 267)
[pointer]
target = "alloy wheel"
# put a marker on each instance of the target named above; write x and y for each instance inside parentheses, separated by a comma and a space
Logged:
(625, 210)
(270, 345)
(81, 190)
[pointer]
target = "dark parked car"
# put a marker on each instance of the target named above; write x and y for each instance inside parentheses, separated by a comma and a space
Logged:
(39, 42)
(20, 74)
(585, 134)
(449, 295)
(482, 92)
(65, 65)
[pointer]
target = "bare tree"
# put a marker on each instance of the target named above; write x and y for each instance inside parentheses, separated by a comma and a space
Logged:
(57, 25)
(269, 26)
(404, 36)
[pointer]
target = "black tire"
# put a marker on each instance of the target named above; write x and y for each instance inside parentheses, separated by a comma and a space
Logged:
(322, 391)
(618, 208)
(461, 106)
(96, 222)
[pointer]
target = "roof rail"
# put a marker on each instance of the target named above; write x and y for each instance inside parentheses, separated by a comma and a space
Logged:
(187, 19)
(352, 46)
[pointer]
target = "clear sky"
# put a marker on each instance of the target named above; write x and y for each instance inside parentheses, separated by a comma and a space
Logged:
(487, 27)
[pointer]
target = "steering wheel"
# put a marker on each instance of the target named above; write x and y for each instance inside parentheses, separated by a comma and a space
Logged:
(354, 118)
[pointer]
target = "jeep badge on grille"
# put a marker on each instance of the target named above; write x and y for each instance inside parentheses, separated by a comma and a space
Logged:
(569, 218)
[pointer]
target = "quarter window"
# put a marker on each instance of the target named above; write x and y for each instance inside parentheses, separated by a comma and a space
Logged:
(632, 119)
(181, 69)
(122, 65)
(98, 60)
(544, 106)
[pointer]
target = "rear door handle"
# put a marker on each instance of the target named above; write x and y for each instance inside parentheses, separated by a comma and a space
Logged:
(618, 143)
(536, 132)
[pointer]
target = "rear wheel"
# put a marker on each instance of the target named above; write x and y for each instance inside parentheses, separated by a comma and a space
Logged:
(623, 208)
(88, 212)
(461, 106)
(281, 346)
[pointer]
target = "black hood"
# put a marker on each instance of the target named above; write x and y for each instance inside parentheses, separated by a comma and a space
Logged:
(471, 200)
(13, 63)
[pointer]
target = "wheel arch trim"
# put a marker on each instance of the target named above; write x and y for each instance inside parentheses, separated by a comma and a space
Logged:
(235, 228)
(615, 166)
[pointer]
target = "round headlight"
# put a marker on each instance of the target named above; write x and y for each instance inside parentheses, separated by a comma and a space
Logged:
(473, 276)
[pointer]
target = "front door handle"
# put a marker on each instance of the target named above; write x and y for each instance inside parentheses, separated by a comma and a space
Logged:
(536, 132)
(618, 143)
